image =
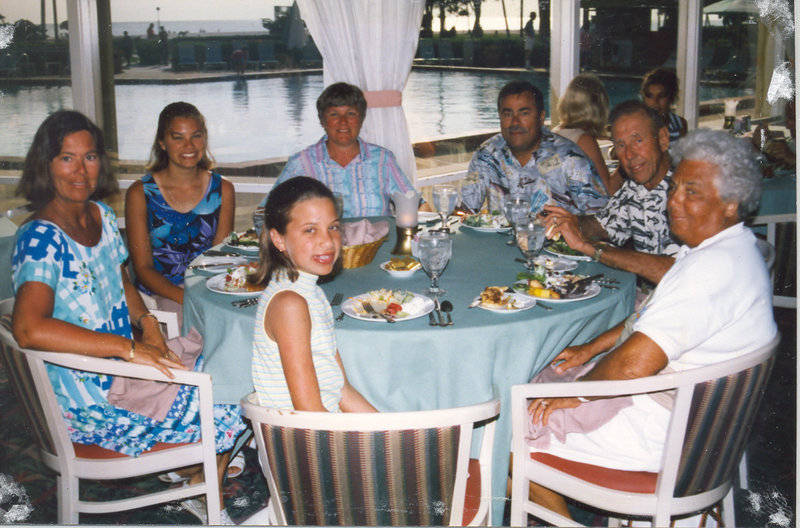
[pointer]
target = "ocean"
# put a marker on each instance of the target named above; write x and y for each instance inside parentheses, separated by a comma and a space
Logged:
(195, 27)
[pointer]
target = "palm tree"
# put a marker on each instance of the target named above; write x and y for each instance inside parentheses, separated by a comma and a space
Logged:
(55, 20)
(44, 30)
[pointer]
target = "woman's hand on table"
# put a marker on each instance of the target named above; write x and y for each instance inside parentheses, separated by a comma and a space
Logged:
(541, 408)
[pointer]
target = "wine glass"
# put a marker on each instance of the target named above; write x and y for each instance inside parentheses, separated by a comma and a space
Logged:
(445, 198)
(530, 239)
(515, 207)
(435, 249)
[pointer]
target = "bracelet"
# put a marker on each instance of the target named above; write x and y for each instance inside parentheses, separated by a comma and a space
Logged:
(583, 400)
(133, 350)
(146, 314)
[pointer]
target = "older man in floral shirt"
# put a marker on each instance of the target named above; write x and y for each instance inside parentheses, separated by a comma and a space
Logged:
(637, 211)
(527, 158)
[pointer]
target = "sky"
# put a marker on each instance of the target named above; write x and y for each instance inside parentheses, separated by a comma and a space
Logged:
(145, 10)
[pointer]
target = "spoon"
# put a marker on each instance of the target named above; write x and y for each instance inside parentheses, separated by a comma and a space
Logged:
(447, 307)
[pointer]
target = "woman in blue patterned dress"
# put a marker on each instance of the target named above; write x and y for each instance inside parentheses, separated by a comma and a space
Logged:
(179, 210)
(74, 295)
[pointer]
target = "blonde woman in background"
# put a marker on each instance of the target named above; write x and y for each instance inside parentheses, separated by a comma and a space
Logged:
(583, 111)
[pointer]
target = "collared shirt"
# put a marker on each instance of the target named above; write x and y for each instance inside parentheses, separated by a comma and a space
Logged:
(558, 173)
(366, 183)
(635, 212)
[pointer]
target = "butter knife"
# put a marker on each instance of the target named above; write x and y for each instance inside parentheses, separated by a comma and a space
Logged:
(214, 265)
(439, 313)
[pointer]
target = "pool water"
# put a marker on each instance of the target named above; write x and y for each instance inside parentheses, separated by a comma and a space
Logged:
(265, 118)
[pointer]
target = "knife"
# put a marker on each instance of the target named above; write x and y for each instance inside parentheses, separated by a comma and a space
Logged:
(213, 265)
(439, 314)
(218, 253)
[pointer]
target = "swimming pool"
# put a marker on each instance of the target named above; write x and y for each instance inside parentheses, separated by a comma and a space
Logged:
(266, 118)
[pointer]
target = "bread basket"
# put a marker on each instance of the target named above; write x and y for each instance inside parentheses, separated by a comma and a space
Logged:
(361, 254)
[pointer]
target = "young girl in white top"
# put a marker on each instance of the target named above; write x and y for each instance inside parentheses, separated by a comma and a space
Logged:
(295, 361)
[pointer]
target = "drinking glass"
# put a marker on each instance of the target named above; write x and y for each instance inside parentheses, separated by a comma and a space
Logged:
(515, 207)
(445, 199)
(435, 249)
(530, 239)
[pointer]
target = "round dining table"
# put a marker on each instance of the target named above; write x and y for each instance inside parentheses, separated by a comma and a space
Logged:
(410, 365)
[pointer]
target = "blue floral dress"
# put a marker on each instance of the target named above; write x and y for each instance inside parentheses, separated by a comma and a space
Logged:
(89, 293)
(177, 238)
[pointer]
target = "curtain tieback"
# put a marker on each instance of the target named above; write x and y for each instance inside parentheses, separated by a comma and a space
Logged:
(383, 98)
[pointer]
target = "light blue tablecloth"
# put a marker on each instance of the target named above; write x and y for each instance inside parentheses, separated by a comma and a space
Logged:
(410, 365)
(778, 196)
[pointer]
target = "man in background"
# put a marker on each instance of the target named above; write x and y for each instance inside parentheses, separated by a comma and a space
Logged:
(530, 39)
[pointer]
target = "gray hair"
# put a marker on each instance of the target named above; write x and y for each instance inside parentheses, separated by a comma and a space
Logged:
(738, 174)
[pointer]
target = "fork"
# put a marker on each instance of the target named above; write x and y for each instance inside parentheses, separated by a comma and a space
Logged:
(370, 310)
(244, 303)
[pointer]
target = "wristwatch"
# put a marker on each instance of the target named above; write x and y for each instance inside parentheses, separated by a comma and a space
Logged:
(598, 251)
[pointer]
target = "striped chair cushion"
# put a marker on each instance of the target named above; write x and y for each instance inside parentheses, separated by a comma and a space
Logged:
(21, 380)
(720, 420)
(368, 478)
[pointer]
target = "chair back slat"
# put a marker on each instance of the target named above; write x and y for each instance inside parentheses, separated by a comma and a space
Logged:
(721, 416)
(19, 374)
(375, 478)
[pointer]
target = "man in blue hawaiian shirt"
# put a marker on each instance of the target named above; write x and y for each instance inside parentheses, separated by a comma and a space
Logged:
(527, 158)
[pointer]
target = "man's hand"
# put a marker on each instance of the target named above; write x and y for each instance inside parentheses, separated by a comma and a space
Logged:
(560, 221)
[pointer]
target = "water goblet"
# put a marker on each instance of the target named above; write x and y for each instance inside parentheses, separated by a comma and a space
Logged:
(530, 239)
(515, 207)
(434, 250)
(445, 198)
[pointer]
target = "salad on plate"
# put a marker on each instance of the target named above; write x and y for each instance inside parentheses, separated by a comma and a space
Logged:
(490, 221)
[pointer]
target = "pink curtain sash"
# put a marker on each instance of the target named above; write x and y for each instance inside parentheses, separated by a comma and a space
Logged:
(383, 98)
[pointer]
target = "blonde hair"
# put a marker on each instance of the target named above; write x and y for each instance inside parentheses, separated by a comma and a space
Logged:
(584, 105)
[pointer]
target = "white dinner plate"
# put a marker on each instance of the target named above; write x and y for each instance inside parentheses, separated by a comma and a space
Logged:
(484, 229)
(417, 307)
(217, 285)
(557, 264)
(428, 216)
(564, 255)
(521, 303)
(399, 274)
(244, 249)
(215, 265)
(592, 291)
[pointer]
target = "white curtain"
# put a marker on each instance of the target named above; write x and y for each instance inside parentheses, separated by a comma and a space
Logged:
(371, 44)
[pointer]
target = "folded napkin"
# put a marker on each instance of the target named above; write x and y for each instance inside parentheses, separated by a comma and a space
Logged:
(154, 398)
(585, 418)
(363, 232)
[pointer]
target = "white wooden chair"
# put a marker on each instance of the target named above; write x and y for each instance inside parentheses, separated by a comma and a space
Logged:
(712, 416)
(394, 468)
(27, 371)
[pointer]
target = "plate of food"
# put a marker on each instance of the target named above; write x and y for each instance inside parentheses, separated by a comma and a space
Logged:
(560, 248)
(553, 294)
(493, 222)
(246, 241)
(499, 299)
(557, 264)
(401, 267)
(402, 305)
(234, 281)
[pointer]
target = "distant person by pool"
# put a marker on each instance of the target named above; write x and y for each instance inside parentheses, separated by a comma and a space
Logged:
(364, 174)
(659, 92)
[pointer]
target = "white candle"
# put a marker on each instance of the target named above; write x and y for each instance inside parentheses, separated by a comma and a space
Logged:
(407, 219)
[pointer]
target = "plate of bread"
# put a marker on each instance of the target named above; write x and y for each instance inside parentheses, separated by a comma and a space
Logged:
(501, 299)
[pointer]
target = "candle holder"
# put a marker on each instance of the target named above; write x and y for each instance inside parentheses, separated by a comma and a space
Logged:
(404, 237)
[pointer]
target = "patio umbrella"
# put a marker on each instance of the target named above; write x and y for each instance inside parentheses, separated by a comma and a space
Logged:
(732, 6)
